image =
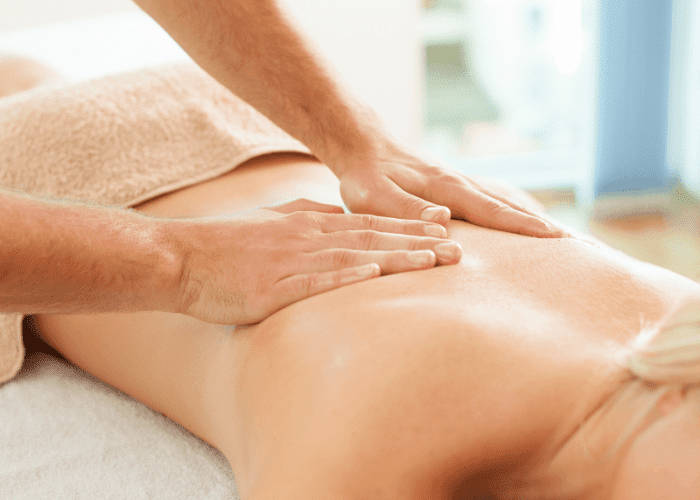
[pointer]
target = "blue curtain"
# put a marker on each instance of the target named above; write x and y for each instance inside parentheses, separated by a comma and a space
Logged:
(635, 48)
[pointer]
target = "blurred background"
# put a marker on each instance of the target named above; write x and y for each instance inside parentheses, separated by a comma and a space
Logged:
(593, 106)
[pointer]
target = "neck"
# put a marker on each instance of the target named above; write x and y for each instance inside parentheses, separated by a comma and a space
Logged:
(584, 466)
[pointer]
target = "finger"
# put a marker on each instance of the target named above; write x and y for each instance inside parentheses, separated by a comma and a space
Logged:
(301, 286)
(446, 251)
(470, 201)
(477, 207)
(557, 229)
(350, 222)
(304, 205)
(504, 189)
(391, 262)
(500, 197)
(515, 203)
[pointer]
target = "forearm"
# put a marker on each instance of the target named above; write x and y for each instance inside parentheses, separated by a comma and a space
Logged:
(60, 257)
(253, 49)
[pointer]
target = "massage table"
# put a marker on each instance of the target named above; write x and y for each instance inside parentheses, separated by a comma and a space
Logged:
(67, 435)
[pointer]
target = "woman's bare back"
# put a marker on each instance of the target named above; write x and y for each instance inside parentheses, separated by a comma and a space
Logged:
(451, 371)
(406, 386)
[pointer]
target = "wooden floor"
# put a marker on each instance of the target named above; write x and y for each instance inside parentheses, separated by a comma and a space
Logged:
(668, 235)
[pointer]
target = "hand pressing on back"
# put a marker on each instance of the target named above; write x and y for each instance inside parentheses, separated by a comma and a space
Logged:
(240, 269)
(392, 182)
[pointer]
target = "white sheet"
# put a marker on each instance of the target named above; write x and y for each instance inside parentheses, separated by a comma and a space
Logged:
(65, 434)
(95, 47)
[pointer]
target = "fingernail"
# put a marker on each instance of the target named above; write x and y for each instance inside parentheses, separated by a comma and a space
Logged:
(543, 229)
(548, 230)
(421, 257)
(367, 270)
(435, 231)
(434, 213)
(448, 251)
(557, 232)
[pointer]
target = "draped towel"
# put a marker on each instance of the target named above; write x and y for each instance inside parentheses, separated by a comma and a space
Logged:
(122, 140)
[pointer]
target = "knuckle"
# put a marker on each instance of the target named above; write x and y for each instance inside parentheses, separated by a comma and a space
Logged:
(305, 219)
(440, 173)
(451, 177)
(369, 221)
(296, 217)
(369, 239)
(415, 244)
(343, 258)
(409, 204)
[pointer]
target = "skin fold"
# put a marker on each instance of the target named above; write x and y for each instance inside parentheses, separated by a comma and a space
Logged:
(428, 384)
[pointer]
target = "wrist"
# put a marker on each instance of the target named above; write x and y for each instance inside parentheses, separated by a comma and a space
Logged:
(362, 154)
(349, 138)
(166, 280)
(379, 147)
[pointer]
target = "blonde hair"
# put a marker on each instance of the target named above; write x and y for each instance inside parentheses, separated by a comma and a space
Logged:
(663, 357)
(670, 352)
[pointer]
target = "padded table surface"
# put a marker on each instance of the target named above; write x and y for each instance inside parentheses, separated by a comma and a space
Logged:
(66, 434)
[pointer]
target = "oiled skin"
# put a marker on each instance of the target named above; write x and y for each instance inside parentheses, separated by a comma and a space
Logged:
(415, 385)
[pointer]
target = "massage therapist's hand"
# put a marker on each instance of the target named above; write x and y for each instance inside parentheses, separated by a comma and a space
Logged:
(396, 183)
(242, 268)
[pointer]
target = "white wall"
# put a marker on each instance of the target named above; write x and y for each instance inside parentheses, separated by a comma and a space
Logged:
(373, 43)
(19, 14)
(375, 46)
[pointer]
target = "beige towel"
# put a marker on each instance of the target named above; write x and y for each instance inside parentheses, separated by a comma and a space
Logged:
(122, 140)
